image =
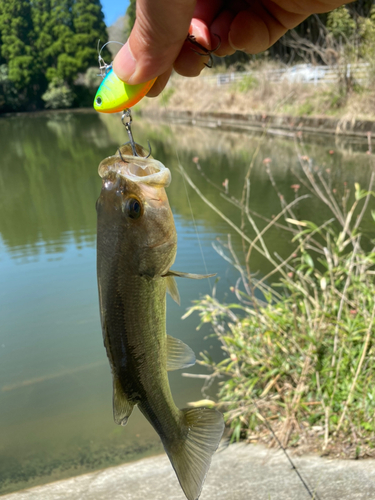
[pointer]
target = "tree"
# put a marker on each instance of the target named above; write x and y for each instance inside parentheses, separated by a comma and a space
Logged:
(89, 27)
(61, 53)
(10, 98)
(16, 29)
(131, 15)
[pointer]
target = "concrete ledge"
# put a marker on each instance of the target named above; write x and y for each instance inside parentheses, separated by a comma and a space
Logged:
(273, 123)
(239, 472)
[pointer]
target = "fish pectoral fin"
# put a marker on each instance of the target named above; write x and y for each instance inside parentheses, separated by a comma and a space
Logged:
(179, 355)
(191, 457)
(178, 274)
(122, 407)
(172, 289)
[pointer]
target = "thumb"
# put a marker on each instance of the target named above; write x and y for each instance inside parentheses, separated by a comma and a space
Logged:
(159, 32)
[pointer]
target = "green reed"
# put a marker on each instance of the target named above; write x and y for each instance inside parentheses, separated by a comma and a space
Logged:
(299, 341)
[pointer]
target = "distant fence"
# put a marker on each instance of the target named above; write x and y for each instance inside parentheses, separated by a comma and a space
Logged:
(303, 73)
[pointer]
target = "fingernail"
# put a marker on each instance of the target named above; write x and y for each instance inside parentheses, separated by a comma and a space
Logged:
(199, 29)
(124, 64)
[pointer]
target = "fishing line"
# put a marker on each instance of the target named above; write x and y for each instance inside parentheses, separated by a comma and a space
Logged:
(313, 495)
(187, 195)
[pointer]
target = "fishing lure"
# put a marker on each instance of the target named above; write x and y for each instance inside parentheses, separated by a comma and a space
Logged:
(114, 95)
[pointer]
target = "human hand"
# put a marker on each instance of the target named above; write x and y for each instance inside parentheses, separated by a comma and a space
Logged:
(157, 43)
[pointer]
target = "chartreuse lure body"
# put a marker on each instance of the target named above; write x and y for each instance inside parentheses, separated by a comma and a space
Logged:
(114, 95)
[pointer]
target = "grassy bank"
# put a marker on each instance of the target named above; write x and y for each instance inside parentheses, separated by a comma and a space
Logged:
(299, 342)
(257, 94)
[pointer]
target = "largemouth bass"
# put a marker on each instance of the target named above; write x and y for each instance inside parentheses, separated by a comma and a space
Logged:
(136, 247)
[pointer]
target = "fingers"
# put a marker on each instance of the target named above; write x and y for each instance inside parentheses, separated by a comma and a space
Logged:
(262, 22)
(155, 41)
(189, 62)
(158, 40)
(220, 28)
(160, 83)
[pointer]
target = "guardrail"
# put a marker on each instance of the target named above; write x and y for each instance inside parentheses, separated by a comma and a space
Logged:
(302, 73)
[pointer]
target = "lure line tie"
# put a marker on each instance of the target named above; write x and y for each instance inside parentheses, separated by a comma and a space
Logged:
(127, 119)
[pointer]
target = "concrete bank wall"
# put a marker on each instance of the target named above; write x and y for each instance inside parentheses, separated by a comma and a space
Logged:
(272, 123)
(239, 472)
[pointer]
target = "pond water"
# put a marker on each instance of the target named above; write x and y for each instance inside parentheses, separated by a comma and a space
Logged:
(55, 384)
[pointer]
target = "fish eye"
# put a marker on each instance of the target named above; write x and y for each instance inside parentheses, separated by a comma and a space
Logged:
(98, 101)
(133, 208)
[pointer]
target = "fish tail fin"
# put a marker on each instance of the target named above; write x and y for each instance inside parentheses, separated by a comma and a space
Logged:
(191, 455)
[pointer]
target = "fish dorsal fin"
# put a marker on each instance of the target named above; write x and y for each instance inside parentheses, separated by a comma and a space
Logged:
(179, 355)
(172, 289)
(191, 456)
(122, 407)
(178, 274)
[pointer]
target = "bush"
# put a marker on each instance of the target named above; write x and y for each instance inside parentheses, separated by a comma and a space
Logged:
(248, 82)
(58, 95)
(11, 99)
(301, 352)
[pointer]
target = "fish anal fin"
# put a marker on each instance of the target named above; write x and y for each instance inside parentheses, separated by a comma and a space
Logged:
(191, 458)
(122, 407)
(179, 355)
(178, 274)
(172, 289)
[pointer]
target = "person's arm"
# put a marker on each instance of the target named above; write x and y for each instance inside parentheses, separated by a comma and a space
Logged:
(158, 43)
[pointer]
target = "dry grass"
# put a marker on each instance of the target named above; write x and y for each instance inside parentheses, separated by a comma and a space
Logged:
(258, 95)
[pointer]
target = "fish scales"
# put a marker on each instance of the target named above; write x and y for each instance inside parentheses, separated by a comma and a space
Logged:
(136, 247)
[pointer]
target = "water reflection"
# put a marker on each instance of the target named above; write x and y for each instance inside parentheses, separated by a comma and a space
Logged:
(55, 387)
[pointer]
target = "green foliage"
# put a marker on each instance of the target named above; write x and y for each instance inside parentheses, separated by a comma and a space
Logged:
(307, 108)
(249, 82)
(16, 49)
(44, 41)
(301, 352)
(10, 97)
(58, 95)
(340, 23)
(131, 15)
(89, 27)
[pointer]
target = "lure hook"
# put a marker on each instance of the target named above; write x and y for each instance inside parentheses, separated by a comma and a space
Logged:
(202, 50)
(127, 119)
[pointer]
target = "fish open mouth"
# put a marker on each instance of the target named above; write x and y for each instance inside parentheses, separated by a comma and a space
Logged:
(137, 169)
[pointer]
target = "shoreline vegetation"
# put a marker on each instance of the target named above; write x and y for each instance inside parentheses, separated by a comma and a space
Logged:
(298, 342)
